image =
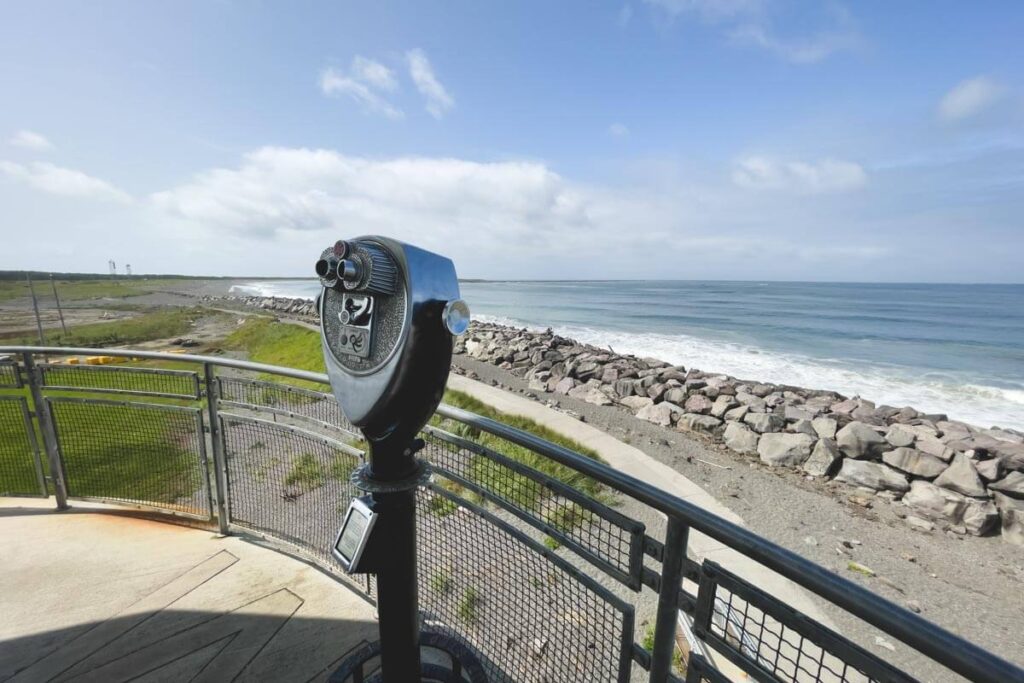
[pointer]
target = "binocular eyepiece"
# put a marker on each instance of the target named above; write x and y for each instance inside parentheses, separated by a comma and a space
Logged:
(359, 267)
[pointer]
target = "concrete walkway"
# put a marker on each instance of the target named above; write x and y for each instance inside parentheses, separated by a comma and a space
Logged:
(86, 596)
(632, 461)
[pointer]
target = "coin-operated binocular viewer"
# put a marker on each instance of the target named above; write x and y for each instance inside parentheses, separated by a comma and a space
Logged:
(388, 311)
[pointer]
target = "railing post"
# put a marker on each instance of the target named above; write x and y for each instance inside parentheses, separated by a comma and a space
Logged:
(668, 599)
(46, 428)
(220, 476)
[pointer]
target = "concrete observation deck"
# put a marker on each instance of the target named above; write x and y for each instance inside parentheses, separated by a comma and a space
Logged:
(91, 595)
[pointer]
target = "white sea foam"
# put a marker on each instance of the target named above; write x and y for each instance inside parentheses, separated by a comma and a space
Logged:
(295, 289)
(961, 398)
(966, 398)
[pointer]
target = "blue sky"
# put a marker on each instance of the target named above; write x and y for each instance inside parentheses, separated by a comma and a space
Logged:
(709, 139)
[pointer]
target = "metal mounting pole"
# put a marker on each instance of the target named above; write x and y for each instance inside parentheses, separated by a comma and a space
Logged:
(668, 599)
(35, 306)
(46, 428)
(220, 472)
(60, 311)
(397, 591)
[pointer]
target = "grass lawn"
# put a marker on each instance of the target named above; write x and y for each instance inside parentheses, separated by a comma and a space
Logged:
(17, 468)
(130, 452)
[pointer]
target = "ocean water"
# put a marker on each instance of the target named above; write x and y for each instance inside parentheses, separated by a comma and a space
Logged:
(956, 349)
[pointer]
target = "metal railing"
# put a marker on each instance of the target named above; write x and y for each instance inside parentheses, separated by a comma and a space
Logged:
(545, 562)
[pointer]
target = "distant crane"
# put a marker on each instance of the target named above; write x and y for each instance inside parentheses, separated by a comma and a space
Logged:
(113, 267)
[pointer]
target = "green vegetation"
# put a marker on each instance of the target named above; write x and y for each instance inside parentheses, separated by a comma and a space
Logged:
(265, 340)
(16, 459)
(516, 487)
(677, 656)
(156, 324)
(309, 471)
(114, 451)
(441, 582)
(467, 609)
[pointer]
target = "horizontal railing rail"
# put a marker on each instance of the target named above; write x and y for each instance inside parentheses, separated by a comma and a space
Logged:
(931, 640)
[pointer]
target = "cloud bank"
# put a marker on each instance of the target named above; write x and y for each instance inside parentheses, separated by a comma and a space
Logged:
(66, 182)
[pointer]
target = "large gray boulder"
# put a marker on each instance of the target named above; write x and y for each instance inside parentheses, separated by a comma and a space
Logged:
(1011, 511)
(624, 387)
(859, 441)
(737, 413)
(723, 404)
(739, 438)
(962, 478)
(942, 505)
(823, 458)
(932, 446)
(1011, 485)
(914, 462)
(763, 423)
(590, 394)
(695, 422)
(825, 427)
(794, 413)
(755, 403)
(565, 385)
(698, 403)
(658, 413)
(989, 470)
(636, 403)
(873, 475)
(787, 450)
(802, 427)
(900, 436)
(676, 395)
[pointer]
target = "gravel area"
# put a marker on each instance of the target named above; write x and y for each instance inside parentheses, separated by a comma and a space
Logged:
(972, 586)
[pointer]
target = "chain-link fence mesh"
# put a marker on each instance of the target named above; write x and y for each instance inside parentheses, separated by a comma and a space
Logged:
(19, 456)
(9, 377)
(106, 378)
(529, 615)
(559, 508)
(315, 406)
(138, 453)
(288, 483)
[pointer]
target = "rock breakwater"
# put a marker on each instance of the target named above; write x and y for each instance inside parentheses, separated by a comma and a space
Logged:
(948, 474)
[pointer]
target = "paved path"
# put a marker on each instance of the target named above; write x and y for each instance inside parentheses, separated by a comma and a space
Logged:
(636, 463)
(110, 597)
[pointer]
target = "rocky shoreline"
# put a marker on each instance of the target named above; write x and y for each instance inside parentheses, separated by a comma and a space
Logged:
(948, 474)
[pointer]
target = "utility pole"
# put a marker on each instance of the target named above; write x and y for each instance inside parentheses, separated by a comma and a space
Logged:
(60, 312)
(35, 305)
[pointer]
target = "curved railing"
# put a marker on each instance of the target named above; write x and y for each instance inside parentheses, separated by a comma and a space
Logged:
(545, 562)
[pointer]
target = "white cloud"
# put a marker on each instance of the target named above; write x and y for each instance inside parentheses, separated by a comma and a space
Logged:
(374, 73)
(618, 130)
(749, 23)
(800, 51)
(501, 219)
(63, 181)
(829, 175)
(439, 101)
(30, 140)
(366, 84)
(970, 98)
